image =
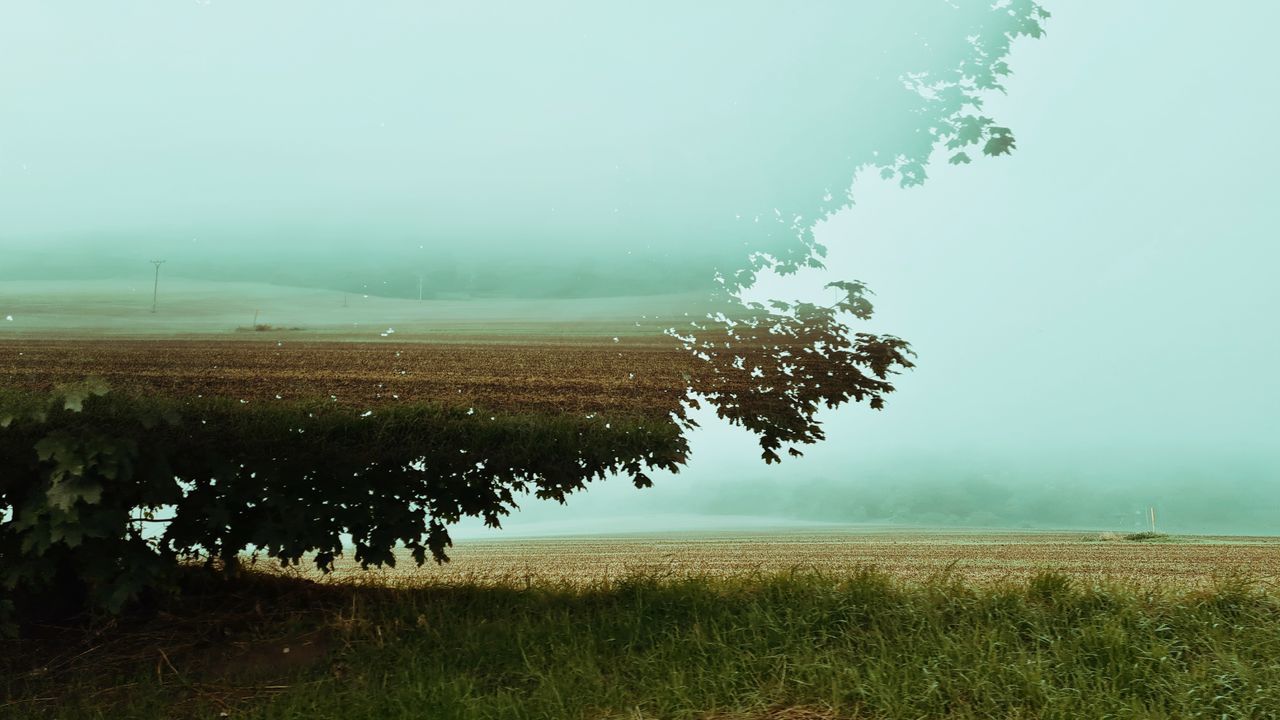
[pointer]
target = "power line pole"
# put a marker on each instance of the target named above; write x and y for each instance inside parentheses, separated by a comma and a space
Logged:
(419, 286)
(155, 293)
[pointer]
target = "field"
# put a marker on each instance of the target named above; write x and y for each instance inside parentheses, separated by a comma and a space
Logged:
(975, 558)
(790, 624)
(199, 308)
(708, 628)
(633, 378)
(601, 355)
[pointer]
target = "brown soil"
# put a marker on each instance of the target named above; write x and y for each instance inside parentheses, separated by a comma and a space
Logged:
(631, 377)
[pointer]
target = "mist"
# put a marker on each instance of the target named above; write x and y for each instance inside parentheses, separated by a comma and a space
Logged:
(1094, 315)
(594, 150)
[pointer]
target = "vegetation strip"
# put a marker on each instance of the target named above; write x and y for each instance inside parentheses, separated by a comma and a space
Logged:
(784, 645)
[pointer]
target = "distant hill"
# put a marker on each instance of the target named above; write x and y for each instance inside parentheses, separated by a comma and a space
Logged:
(196, 306)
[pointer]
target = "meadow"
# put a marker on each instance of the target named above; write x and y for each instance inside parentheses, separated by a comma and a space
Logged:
(906, 637)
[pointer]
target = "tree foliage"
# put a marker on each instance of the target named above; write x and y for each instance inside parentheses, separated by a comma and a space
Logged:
(104, 495)
(793, 359)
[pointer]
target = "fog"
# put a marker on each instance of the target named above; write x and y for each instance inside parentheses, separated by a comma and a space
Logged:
(1095, 315)
(497, 147)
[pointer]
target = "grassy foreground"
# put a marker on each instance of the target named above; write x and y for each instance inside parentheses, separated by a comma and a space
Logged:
(791, 645)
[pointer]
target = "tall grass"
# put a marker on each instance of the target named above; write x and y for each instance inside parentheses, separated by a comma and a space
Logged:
(767, 646)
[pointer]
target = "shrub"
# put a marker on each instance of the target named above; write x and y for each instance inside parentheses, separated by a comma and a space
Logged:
(104, 494)
(1146, 536)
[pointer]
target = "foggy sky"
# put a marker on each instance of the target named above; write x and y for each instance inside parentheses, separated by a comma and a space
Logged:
(1095, 316)
(239, 135)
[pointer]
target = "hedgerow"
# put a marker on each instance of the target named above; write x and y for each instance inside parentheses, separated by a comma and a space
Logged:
(105, 494)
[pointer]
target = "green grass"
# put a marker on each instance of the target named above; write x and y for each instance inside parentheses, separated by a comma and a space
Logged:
(1146, 536)
(793, 645)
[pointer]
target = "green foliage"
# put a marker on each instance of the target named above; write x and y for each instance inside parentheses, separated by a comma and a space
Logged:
(770, 369)
(103, 495)
(950, 116)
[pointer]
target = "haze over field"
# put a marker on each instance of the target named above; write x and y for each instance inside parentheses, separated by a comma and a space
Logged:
(1094, 314)
(495, 147)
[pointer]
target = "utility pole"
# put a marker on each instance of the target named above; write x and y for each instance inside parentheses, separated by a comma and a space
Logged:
(155, 293)
(419, 286)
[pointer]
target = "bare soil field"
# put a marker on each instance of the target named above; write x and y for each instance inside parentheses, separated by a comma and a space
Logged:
(634, 376)
(983, 558)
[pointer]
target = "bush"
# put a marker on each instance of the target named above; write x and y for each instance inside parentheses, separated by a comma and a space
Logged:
(1146, 536)
(103, 495)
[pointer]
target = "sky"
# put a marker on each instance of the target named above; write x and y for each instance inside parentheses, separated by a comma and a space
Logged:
(1095, 314)
(298, 142)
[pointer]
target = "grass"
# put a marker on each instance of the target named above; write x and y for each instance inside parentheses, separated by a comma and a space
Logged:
(783, 645)
(1146, 536)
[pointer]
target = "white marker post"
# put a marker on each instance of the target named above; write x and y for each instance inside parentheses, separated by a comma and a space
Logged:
(155, 292)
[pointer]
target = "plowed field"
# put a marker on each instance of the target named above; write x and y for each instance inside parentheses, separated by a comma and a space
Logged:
(624, 378)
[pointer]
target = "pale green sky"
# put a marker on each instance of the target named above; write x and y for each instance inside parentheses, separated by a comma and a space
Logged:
(1097, 311)
(1096, 315)
(695, 132)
